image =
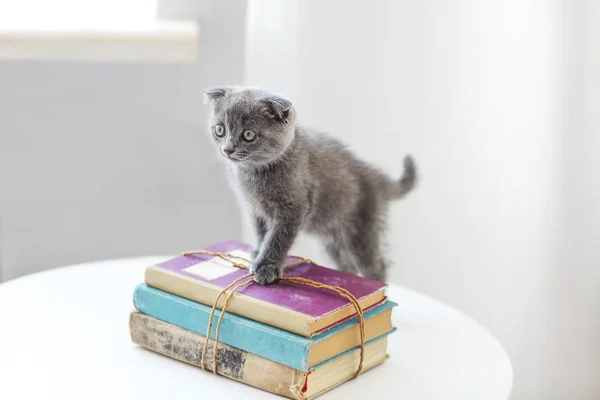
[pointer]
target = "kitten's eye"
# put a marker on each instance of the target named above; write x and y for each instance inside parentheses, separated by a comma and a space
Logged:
(249, 136)
(219, 130)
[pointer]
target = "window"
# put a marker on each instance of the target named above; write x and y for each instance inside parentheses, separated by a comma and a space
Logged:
(94, 30)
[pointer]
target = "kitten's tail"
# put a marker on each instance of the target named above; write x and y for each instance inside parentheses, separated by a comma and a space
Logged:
(407, 181)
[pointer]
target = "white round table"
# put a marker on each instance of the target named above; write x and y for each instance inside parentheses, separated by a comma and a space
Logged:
(64, 335)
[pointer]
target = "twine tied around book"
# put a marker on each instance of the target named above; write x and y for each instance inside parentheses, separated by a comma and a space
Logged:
(243, 281)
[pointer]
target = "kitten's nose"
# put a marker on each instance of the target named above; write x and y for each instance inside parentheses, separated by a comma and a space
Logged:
(228, 151)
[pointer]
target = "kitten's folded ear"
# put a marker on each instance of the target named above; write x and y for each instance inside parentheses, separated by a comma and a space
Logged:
(214, 94)
(278, 107)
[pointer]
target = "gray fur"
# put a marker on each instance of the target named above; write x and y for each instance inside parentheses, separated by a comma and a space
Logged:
(292, 179)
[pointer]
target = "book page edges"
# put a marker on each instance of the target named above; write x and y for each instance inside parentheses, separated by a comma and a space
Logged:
(318, 325)
(342, 369)
(312, 396)
(349, 338)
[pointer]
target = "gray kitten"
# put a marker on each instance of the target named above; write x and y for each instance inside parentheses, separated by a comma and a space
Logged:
(290, 178)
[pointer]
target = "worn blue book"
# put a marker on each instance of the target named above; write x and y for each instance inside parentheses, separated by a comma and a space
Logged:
(272, 343)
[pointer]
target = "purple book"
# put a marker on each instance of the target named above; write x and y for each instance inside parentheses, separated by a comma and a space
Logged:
(293, 307)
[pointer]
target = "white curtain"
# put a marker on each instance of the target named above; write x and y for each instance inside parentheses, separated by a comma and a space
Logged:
(500, 104)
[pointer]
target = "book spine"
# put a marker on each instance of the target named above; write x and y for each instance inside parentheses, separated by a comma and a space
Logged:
(205, 294)
(236, 364)
(268, 342)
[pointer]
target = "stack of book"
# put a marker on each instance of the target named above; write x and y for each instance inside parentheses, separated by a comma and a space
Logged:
(289, 339)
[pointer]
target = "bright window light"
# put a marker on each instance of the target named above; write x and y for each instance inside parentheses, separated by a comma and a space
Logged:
(76, 14)
(94, 31)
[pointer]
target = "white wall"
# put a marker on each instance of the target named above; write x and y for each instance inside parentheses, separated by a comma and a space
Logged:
(576, 278)
(503, 225)
(106, 160)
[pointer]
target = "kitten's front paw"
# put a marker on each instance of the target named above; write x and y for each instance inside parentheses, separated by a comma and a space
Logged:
(265, 273)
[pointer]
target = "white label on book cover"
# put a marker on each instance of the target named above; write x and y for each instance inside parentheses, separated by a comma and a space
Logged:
(216, 267)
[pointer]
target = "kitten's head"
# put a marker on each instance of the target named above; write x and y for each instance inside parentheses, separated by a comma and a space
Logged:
(250, 126)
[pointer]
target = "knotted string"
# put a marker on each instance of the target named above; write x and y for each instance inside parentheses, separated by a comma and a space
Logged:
(239, 282)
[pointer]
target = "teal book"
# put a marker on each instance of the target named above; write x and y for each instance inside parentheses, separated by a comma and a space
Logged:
(290, 349)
